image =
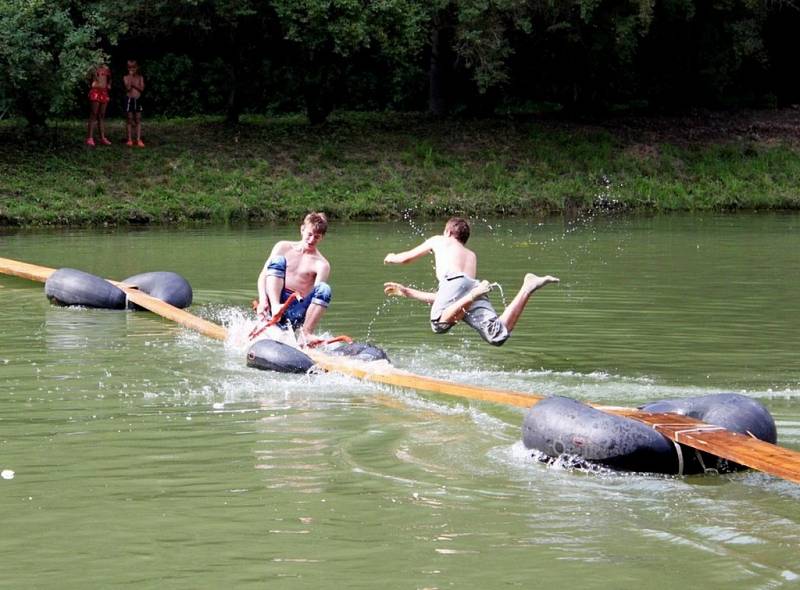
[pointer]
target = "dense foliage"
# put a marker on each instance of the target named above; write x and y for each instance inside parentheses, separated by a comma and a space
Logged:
(444, 56)
(47, 50)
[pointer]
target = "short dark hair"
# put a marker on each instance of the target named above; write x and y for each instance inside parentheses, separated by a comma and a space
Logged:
(459, 228)
(318, 221)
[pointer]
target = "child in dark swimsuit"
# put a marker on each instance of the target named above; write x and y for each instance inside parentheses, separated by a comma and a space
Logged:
(134, 86)
(98, 102)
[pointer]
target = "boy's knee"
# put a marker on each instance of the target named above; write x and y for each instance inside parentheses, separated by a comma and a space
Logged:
(322, 294)
(495, 333)
(276, 266)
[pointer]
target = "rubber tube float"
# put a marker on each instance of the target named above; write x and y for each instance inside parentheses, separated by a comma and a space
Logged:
(69, 286)
(560, 426)
(164, 285)
(363, 351)
(271, 355)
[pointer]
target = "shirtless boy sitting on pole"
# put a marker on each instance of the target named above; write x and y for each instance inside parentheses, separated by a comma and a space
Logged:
(298, 267)
(461, 295)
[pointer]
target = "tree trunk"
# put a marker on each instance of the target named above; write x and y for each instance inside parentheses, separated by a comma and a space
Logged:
(319, 92)
(318, 105)
(233, 109)
(436, 101)
(233, 104)
(35, 118)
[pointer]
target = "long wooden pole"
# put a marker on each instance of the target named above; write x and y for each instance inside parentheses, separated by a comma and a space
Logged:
(741, 449)
(25, 270)
(41, 274)
(173, 313)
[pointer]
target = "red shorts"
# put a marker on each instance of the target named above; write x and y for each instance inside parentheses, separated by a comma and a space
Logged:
(98, 95)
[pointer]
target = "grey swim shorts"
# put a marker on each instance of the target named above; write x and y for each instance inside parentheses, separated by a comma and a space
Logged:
(481, 316)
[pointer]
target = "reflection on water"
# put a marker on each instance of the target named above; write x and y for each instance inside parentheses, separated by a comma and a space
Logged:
(147, 455)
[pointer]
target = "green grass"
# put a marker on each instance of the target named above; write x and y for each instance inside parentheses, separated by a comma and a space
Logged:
(365, 166)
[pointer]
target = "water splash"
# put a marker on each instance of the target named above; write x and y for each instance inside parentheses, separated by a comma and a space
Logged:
(408, 217)
(499, 287)
(387, 303)
(239, 325)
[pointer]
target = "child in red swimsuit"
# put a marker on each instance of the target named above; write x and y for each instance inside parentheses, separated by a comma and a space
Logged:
(98, 102)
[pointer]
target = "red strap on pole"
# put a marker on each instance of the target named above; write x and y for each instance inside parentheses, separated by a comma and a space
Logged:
(295, 296)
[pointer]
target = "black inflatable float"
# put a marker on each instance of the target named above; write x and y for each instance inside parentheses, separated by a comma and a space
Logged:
(271, 355)
(69, 286)
(559, 426)
(167, 286)
(362, 351)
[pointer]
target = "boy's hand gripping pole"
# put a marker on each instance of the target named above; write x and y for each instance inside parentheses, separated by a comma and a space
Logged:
(295, 296)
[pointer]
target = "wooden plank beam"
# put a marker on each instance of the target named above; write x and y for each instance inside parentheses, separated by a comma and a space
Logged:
(739, 448)
(25, 270)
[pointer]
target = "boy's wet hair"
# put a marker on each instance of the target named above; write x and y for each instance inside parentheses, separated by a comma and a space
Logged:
(318, 221)
(459, 228)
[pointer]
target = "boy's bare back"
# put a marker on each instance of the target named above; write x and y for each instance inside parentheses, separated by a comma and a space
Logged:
(452, 257)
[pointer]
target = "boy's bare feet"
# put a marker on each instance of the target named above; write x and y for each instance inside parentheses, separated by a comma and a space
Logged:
(533, 282)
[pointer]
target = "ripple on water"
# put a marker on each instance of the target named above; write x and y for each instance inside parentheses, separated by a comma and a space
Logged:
(156, 439)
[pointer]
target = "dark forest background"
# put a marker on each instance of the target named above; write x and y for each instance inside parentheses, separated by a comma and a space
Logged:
(469, 57)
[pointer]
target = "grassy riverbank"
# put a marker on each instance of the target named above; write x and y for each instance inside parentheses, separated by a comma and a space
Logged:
(380, 165)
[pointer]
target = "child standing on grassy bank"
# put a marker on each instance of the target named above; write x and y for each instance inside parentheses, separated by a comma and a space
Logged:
(134, 86)
(98, 102)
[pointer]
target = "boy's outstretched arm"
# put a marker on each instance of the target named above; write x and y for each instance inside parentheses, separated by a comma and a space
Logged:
(398, 290)
(410, 255)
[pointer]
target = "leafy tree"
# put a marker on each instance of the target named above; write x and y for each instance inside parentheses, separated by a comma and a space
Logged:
(580, 54)
(47, 49)
(194, 37)
(783, 45)
(235, 56)
(472, 43)
(327, 36)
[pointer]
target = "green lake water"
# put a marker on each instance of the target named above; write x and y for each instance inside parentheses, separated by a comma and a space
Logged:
(136, 453)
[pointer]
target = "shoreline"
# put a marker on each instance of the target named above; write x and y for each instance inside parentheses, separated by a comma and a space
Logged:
(367, 166)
